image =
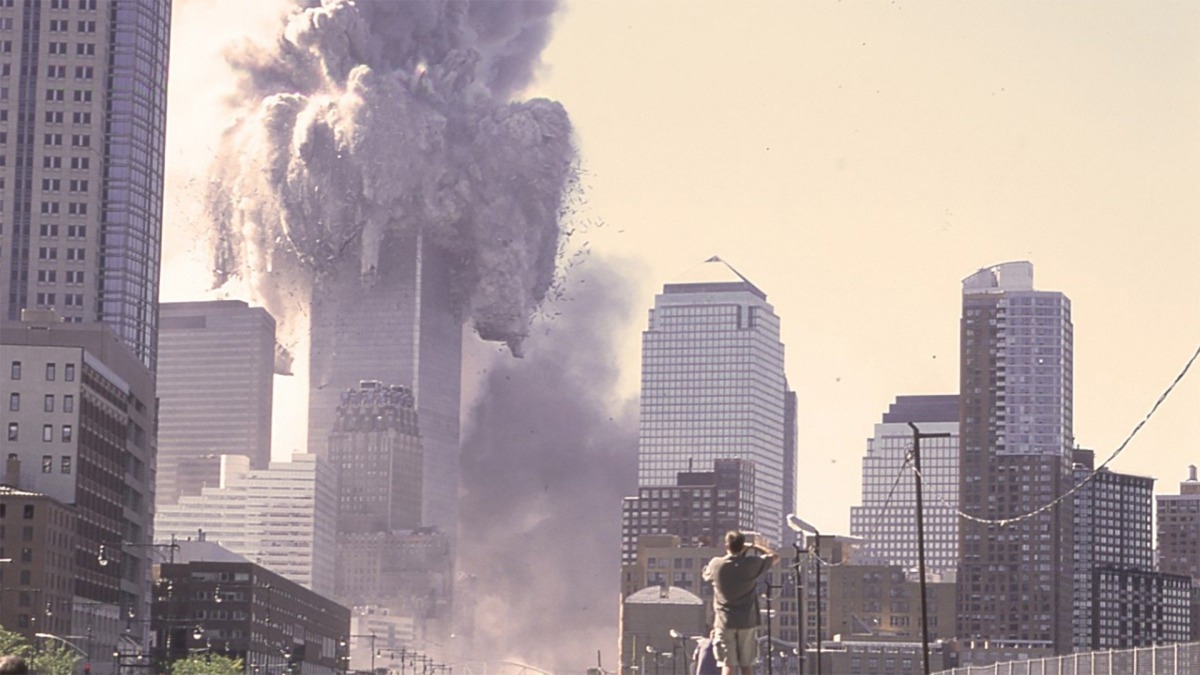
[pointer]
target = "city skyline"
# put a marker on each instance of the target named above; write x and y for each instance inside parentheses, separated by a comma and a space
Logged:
(859, 173)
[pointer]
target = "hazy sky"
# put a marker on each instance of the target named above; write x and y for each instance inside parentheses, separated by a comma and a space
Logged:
(856, 160)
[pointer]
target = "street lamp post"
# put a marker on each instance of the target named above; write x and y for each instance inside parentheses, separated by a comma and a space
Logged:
(770, 613)
(680, 645)
(798, 525)
(916, 457)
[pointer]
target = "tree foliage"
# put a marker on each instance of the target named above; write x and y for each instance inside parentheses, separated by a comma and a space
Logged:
(49, 658)
(208, 664)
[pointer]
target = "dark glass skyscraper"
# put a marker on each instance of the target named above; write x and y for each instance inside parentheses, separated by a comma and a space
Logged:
(83, 110)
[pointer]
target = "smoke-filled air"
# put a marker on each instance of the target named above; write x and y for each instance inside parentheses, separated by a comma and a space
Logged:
(371, 118)
(548, 456)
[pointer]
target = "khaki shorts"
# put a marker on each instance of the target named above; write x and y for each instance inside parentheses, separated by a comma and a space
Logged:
(737, 646)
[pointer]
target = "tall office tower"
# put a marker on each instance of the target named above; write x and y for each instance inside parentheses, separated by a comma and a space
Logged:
(79, 425)
(888, 515)
(385, 555)
(396, 325)
(83, 165)
(1014, 580)
(283, 517)
(713, 387)
(216, 364)
(375, 447)
(1120, 601)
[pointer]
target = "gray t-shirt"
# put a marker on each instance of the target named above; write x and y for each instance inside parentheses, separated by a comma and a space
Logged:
(735, 589)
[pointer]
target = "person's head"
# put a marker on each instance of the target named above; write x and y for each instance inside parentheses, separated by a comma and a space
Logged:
(735, 541)
(11, 664)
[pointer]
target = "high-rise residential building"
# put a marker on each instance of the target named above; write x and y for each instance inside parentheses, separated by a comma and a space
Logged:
(886, 521)
(282, 517)
(1179, 539)
(79, 428)
(216, 364)
(1120, 601)
(398, 326)
(1016, 440)
(1179, 529)
(713, 387)
(83, 162)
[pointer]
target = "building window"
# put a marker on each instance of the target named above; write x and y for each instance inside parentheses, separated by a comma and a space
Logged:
(49, 372)
(68, 403)
(14, 402)
(27, 512)
(69, 369)
(12, 431)
(47, 464)
(47, 433)
(66, 433)
(15, 373)
(48, 403)
(66, 464)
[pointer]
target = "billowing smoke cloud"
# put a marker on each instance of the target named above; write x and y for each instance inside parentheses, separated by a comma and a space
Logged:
(546, 461)
(372, 118)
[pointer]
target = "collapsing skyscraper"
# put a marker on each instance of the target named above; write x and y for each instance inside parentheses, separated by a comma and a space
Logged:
(382, 186)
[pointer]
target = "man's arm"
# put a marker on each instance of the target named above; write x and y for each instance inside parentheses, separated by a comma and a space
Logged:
(767, 553)
(706, 574)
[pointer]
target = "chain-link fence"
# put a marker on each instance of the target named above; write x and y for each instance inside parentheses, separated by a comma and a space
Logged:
(1176, 659)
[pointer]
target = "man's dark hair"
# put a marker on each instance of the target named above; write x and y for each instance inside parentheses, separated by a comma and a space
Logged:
(735, 541)
(11, 664)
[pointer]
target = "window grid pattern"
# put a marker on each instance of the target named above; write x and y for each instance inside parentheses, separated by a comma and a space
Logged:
(713, 388)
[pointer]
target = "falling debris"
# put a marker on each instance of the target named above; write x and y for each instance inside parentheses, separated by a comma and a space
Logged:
(370, 121)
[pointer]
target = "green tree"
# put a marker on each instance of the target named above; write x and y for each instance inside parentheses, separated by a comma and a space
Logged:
(208, 664)
(12, 642)
(53, 658)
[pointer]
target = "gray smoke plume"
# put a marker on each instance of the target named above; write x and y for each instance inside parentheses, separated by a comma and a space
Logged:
(546, 462)
(372, 118)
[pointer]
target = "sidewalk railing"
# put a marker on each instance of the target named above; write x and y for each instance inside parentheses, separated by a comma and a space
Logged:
(1174, 659)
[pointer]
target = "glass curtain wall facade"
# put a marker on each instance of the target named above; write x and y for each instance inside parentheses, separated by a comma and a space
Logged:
(82, 128)
(216, 376)
(1014, 581)
(887, 519)
(713, 387)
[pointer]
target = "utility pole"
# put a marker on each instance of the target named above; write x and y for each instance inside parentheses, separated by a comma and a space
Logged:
(916, 457)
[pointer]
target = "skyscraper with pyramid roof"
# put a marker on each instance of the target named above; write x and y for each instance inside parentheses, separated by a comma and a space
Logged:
(713, 387)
